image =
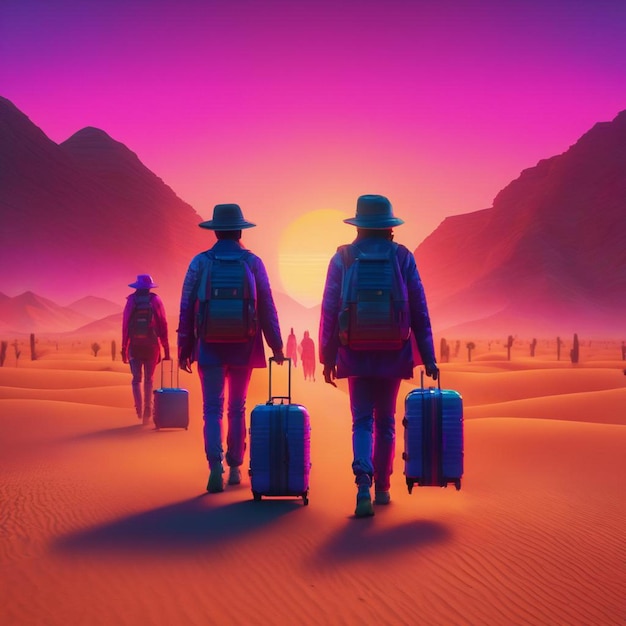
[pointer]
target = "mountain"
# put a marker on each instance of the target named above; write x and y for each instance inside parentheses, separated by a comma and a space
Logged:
(549, 257)
(30, 313)
(86, 216)
(109, 327)
(96, 308)
(98, 318)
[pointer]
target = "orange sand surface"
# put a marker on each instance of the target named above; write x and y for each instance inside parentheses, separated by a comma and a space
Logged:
(107, 522)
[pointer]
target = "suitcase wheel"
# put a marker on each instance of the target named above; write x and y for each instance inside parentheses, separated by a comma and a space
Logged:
(257, 496)
(409, 483)
(457, 484)
(305, 498)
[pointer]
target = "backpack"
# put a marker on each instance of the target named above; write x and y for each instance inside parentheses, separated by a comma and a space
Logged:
(142, 328)
(374, 313)
(227, 299)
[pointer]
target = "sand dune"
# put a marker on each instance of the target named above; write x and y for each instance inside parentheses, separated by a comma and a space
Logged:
(107, 522)
(605, 407)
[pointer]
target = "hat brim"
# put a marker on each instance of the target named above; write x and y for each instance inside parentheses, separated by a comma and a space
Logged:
(374, 224)
(138, 286)
(213, 225)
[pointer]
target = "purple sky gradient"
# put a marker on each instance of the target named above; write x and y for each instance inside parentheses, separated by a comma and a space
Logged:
(288, 107)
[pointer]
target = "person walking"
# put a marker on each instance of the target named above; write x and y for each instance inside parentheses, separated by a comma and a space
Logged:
(307, 356)
(374, 371)
(224, 361)
(292, 348)
(144, 332)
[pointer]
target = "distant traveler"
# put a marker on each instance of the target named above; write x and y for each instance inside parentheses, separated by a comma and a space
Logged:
(365, 336)
(292, 348)
(226, 309)
(307, 354)
(144, 332)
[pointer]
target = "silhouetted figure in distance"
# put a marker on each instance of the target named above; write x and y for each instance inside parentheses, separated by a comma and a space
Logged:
(292, 348)
(307, 355)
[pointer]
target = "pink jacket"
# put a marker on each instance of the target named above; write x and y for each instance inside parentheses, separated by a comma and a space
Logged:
(160, 322)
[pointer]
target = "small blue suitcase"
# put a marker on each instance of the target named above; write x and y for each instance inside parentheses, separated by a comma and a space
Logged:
(433, 437)
(280, 446)
(171, 404)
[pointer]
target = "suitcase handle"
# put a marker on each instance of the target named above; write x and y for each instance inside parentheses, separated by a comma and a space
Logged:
(171, 373)
(281, 398)
(422, 379)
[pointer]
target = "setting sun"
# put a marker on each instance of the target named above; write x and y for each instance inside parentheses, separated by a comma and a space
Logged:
(306, 246)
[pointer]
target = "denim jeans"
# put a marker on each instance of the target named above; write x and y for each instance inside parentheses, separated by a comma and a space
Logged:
(214, 380)
(373, 406)
(143, 370)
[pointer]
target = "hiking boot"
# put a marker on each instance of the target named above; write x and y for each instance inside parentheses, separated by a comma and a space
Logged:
(234, 476)
(216, 480)
(382, 497)
(364, 506)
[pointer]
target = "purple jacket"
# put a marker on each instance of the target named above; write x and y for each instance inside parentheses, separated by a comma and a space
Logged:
(378, 363)
(159, 317)
(251, 353)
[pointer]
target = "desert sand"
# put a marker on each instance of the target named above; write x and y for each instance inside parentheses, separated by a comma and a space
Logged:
(107, 522)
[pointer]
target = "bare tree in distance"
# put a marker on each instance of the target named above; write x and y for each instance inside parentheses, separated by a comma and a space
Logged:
(575, 351)
(18, 352)
(509, 345)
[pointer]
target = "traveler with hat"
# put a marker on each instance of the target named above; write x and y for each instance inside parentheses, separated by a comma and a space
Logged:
(144, 326)
(223, 362)
(375, 370)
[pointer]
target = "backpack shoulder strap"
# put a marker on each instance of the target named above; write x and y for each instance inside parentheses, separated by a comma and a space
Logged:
(203, 287)
(246, 257)
(347, 254)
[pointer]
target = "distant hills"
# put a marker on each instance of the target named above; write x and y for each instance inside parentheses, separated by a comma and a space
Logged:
(29, 312)
(548, 258)
(98, 318)
(79, 220)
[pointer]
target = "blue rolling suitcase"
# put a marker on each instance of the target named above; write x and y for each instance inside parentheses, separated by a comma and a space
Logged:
(433, 437)
(280, 446)
(171, 404)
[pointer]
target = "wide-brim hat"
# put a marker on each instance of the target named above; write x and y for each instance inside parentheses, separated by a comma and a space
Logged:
(374, 212)
(144, 281)
(227, 217)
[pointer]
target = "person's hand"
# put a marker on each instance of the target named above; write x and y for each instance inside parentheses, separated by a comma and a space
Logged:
(185, 364)
(432, 370)
(124, 356)
(330, 373)
(279, 357)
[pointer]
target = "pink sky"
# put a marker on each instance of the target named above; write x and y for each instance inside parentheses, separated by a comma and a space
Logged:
(288, 107)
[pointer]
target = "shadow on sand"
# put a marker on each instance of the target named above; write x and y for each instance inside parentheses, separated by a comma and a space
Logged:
(182, 526)
(365, 539)
(122, 432)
